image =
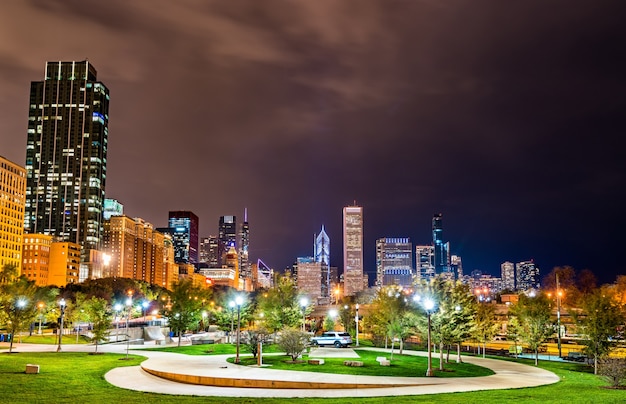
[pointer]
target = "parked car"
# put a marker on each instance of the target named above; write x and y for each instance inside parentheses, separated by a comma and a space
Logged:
(336, 338)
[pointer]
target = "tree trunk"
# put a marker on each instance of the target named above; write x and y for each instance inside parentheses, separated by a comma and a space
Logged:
(595, 364)
(484, 348)
(458, 353)
(448, 354)
(392, 344)
(401, 345)
(179, 336)
(536, 357)
(441, 356)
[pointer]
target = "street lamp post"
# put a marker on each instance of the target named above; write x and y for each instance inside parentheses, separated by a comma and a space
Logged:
(356, 319)
(144, 306)
(40, 305)
(303, 302)
(428, 305)
(232, 320)
(62, 305)
(558, 314)
(129, 306)
(238, 301)
(117, 308)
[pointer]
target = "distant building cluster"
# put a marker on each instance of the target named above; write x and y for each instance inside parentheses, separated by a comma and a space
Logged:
(58, 228)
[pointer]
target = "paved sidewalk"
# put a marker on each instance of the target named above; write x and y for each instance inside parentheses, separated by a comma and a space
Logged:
(507, 375)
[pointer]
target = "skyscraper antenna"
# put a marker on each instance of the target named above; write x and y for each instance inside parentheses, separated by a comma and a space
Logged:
(245, 214)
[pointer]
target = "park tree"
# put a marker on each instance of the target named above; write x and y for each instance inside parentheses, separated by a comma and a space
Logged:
(280, 305)
(390, 305)
(484, 325)
(533, 321)
(18, 303)
(601, 315)
(98, 313)
(185, 305)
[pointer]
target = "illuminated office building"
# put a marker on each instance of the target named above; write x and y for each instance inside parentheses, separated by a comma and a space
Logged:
(66, 155)
(352, 250)
(321, 252)
(227, 236)
(508, 275)
(424, 261)
(394, 261)
(12, 200)
(112, 208)
(527, 276)
(183, 227)
(245, 272)
(308, 273)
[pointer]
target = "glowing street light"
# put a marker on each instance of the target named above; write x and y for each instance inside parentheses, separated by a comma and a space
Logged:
(239, 302)
(231, 304)
(304, 302)
(429, 304)
(117, 308)
(40, 306)
(129, 307)
(62, 305)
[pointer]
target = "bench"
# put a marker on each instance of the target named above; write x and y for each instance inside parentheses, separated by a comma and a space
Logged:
(202, 341)
(316, 361)
(353, 363)
(383, 361)
(32, 369)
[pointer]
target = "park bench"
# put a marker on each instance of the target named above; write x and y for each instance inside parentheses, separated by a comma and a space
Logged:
(383, 361)
(202, 341)
(316, 361)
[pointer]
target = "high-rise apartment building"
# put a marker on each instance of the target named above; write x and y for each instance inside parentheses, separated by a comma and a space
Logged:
(66, 155)
(245, 272)
(425, 261)
(183, 227)
(456, 266)
(308, 274)
(12, 200)
(208, 252)
(394, 261)
(508, 275)
(527, 276)
(36, 258)
(442, 249)
(227, 236)
(352, 250)
(321, 253)
(137, 251)
(112, 208)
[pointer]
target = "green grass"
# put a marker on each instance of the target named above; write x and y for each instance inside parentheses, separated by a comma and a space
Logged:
(44, 339)
(401, 365)
(79, 377)
(213, 349)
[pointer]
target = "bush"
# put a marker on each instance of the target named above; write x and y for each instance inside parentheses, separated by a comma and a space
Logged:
(294, 342)
(613, 370)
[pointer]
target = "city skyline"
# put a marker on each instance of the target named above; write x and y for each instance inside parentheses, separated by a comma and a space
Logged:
(505, 118)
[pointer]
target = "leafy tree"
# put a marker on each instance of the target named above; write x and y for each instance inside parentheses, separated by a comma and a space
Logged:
(280, 305)
(293, 342)
(599, 322)
(18, 302)
(389, 306)
(184, 309)
(533, 318)
(329, 322)
(484, 326)
(98, 313)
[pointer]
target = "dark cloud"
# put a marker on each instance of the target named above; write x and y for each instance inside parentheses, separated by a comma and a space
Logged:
(505, 117)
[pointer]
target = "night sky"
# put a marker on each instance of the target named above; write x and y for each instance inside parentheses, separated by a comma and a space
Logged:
(506, 117)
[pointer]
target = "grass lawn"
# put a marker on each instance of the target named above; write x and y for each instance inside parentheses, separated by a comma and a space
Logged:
(79, 377)
(45, 339)
(401, 365)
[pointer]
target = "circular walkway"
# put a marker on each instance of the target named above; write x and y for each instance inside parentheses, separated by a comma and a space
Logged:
(197, 370)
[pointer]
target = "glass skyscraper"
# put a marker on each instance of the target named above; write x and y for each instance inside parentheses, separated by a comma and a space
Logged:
(183, 227)
(66, 155)
(321, 252)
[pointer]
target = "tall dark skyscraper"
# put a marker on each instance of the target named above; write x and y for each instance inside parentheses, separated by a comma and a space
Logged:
(183, 226)
(66, 155)
(442, 253)
(227, 235)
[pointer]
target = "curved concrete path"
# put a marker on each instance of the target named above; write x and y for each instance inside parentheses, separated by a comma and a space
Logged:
(507, 375)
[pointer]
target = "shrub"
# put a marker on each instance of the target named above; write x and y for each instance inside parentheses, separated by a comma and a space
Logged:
(613, 370)
(293, 342)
